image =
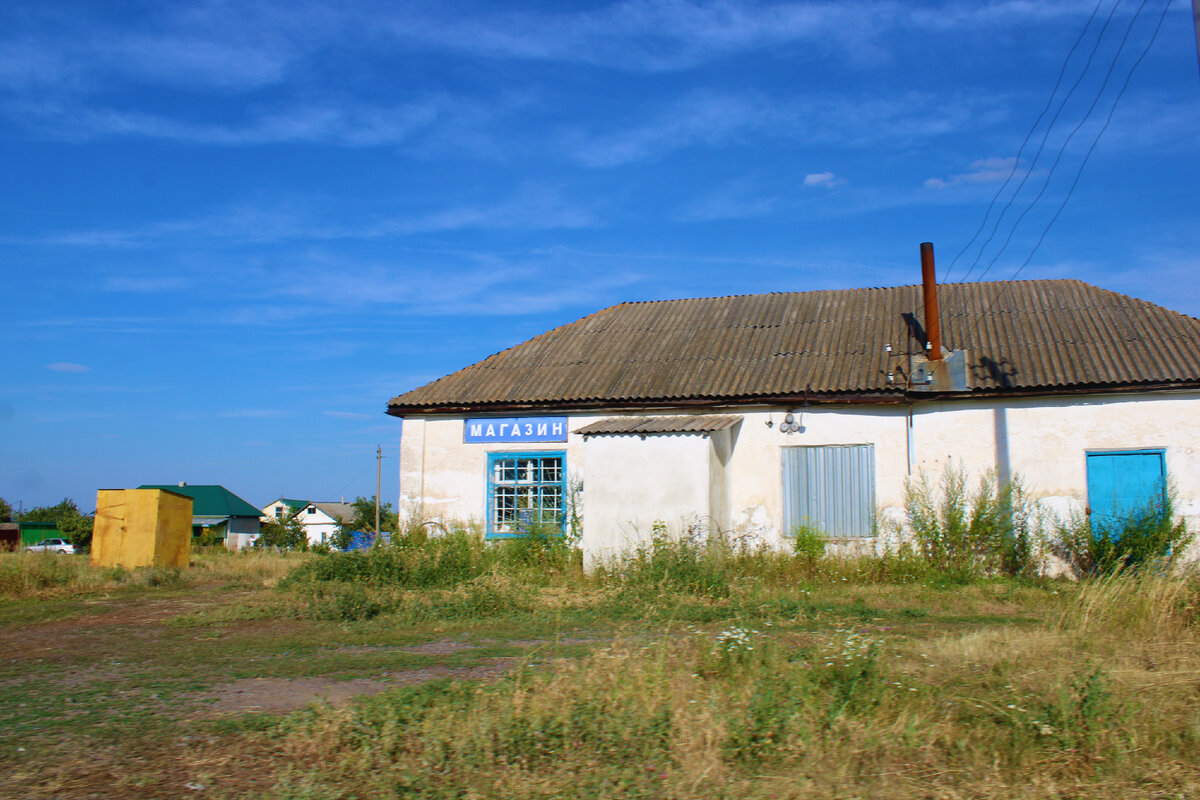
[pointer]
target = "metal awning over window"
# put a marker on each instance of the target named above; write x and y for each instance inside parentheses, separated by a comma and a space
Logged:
(642, 426)
(208, 522)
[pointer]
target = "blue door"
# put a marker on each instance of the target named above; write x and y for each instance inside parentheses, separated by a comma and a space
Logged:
(1124, 484)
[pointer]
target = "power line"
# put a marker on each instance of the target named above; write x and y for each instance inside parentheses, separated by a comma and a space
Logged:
(1029, 135)
(1087, 114)
(1079, 172)
(1196, 19)
(1045, 137)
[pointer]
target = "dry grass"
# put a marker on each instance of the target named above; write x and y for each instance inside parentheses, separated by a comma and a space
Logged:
(1097, 701)
(813, 681)
(26, 575)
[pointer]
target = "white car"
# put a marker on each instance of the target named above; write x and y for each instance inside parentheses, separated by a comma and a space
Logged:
(52, 546)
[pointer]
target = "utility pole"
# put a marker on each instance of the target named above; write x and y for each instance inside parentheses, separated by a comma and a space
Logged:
(1196, 19)
(378, 473)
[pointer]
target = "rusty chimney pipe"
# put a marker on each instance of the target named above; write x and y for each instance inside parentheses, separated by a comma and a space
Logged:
(933, 322)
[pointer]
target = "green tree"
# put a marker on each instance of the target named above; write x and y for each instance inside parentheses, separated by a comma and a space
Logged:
(6, 511)
(73, 525)
(342, 537)
(286, 534)
(364, 516)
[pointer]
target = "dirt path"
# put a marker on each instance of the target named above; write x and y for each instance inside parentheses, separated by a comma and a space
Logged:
(139, 707)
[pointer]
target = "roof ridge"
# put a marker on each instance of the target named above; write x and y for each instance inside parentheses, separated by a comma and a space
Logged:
(847, 289)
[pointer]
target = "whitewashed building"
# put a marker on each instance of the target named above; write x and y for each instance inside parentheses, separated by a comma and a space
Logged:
(755, 414)
(321, 520)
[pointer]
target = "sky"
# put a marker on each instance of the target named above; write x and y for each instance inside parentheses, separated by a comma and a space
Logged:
(231, 231)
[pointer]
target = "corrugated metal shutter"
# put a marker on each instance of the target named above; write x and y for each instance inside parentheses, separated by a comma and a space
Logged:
(831, 488)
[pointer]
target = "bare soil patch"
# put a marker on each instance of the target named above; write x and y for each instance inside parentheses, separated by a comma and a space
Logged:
(64, 638)
(444, 647)
(280, 695)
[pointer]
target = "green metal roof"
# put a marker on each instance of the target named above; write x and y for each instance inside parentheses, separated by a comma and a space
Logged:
(211, 501)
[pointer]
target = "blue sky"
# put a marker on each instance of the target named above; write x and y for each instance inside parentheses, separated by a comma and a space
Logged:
(230, 231)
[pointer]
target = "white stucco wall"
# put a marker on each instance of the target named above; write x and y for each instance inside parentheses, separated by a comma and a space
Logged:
(735, 478)
(443, 478)
(635, 483)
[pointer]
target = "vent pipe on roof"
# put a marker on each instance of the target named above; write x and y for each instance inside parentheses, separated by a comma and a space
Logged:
(933, 322)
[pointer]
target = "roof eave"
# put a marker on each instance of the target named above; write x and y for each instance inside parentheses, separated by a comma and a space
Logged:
(648, 402)
(811, 398)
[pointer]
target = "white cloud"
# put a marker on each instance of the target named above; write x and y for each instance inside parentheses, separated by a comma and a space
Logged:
(191, 59)
(532, 206)
(826, 179)
(485, 285)
(68, 70)
(352, 125)
(638, 35)
(704, 118)
(67, 366)
(709, 119)
(984, 170)
(227, 47)
(663, 35)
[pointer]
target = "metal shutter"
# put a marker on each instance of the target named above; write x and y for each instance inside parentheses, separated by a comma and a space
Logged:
(830, 488)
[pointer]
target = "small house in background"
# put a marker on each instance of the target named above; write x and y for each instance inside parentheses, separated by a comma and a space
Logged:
(34, 532)
(762, 415)
(15, 535)
(218, 512)
(10, 536)
(321, 520)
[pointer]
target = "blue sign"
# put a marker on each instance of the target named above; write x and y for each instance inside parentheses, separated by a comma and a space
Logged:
(515, 429)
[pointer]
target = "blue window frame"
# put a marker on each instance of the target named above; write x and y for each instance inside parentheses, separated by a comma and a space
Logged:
(524, 489)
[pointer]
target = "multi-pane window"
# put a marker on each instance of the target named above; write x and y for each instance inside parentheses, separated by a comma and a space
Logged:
(524, 489)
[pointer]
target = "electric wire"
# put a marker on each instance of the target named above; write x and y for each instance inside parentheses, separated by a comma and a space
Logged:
(1063, 147)
(1029, 135)
(1079, 172)
(1045, 137)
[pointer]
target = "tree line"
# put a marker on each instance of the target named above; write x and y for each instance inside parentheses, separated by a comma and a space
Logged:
(72, 524)
(76, 526)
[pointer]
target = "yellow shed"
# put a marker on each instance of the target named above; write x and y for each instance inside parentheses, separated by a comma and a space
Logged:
(142, 527)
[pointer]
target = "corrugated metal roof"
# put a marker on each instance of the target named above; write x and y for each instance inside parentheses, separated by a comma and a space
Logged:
(1021, 336)
(644, 425)
(342, 511)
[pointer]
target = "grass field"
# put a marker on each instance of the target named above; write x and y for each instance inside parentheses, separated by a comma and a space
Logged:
(301, 676)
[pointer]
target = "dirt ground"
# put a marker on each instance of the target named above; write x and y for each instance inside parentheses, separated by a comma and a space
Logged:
(112, 699)
(280, 695)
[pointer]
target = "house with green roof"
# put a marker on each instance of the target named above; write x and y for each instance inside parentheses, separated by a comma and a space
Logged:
(218, 512)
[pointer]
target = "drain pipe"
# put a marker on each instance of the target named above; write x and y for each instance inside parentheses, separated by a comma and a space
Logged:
(908, 427)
